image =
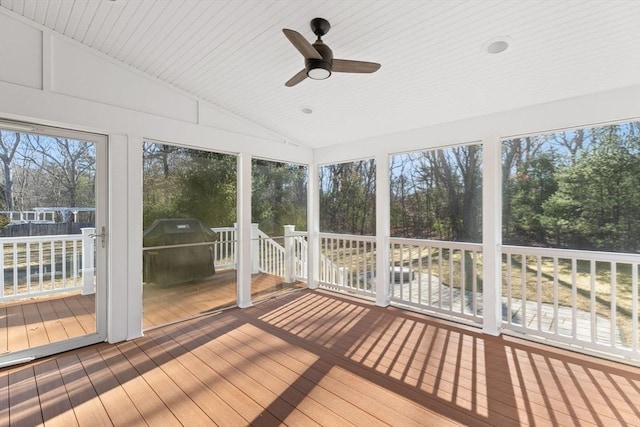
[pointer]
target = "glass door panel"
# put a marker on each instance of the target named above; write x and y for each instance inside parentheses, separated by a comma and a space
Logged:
(51, 204)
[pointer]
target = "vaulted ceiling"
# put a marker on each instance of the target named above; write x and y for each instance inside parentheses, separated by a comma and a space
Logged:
(435, 64)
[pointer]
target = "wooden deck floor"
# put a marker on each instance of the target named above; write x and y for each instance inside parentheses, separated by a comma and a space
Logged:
(166, 304)
(31, 323)
(315, 358)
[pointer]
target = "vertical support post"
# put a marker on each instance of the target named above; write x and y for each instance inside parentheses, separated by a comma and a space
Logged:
(243, 231)
(383, 228)
(133, 215)
(289, 254)
(313, 228)
(255, 249)
(235, 246)
(88, 261)
(492, 232)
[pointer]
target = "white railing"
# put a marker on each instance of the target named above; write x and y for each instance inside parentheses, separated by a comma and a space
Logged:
(437, 276)
(347, 263)
(43, 265)
(268, 256)
(576, 298)
(224, 248)
(299, 254)
(580, 298)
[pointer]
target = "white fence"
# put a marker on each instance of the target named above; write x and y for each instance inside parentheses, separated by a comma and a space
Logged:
(347, 263)
(574, 298)
(224, 248)
(298, 254)
(38, 217)
(287, 260)
(439, 276)
(580, 298)
(428, 275)
(577, 298)
(44, 265)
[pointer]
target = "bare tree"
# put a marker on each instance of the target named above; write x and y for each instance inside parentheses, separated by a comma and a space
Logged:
(9, 142)
(68, 161)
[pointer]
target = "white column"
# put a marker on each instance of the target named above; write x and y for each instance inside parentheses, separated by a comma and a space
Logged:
(134, 214)
(124, 237)
(383, 220)
(289, 254)
(491, 235)
(313, 226)
(88, 261)
(243, 231)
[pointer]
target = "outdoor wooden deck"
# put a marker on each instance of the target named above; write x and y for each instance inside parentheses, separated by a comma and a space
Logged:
(30, 323)
(315, 358)
(166, 304)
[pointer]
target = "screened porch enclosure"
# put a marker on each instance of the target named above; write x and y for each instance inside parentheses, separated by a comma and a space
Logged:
(451, 240)
(445, 256)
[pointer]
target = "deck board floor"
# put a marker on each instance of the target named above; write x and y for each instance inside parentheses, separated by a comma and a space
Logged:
(33, 322)
(316, 358)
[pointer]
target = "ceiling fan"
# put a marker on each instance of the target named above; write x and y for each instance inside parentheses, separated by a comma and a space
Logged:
(318, 57)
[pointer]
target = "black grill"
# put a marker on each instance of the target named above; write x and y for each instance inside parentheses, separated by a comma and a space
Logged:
(168, 266)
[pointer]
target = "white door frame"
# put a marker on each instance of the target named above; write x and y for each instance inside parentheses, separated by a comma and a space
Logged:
(101, 266)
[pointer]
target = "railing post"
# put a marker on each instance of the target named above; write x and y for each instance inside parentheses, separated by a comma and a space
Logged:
(289, 254)
(88, 266)
(255, 249)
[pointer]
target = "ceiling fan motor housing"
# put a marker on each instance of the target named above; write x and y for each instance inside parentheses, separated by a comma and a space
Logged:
(324, 63)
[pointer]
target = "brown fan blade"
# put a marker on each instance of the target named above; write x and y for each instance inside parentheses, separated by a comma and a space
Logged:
(300, 43)
(300, 76)
(347, 66)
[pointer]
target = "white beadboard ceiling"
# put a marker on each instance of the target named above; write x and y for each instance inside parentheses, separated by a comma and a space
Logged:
(233, 54)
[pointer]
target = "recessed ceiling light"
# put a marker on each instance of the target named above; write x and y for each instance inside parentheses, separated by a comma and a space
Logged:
(497, 45)
(306, 110)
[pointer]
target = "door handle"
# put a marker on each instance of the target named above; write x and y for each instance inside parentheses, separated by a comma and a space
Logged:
(102, 235)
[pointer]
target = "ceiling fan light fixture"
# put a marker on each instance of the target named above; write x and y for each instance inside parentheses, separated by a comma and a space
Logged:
(318, 73)
(319, 69)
